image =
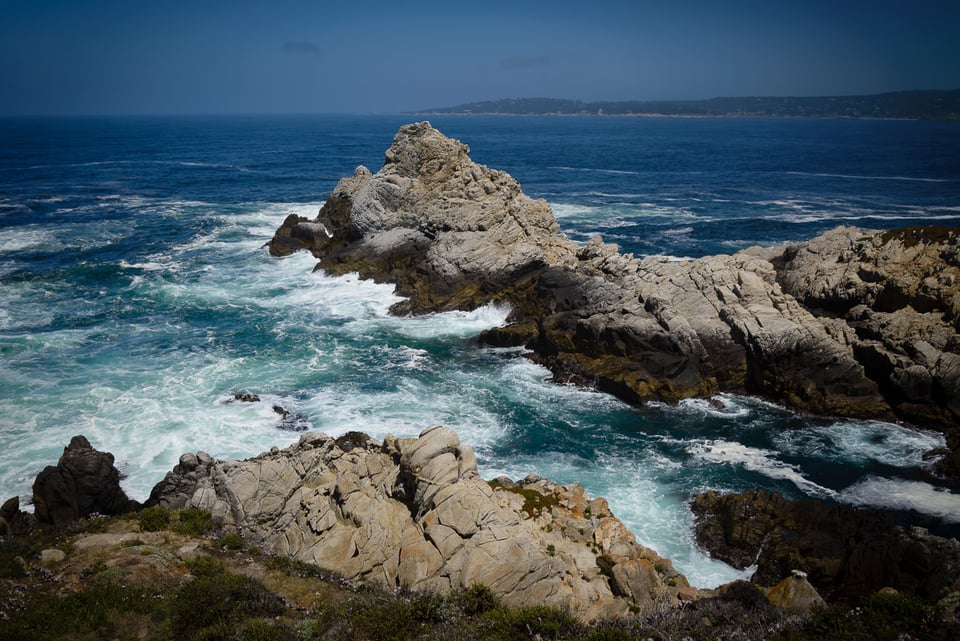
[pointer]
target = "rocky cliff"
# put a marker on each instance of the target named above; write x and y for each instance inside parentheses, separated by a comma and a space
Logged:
(414, 513)
(854, 323)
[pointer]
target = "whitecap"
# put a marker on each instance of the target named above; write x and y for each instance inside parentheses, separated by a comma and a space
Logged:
(454, 323)
(899, 494)
(860, 442)
(860, 177)
(756, 460)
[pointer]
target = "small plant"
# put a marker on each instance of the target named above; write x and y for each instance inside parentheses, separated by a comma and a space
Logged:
(154, 519)
(231, 541)
(538, 621)
(474, 600)
(551, 549)
(193, 522)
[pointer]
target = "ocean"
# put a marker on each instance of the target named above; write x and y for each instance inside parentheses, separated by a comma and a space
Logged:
(136, 299)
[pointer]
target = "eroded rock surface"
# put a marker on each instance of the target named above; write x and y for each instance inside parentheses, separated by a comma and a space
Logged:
(852, 323)
(414, 513)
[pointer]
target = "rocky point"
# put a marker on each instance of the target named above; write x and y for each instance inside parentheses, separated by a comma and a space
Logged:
(853, 323)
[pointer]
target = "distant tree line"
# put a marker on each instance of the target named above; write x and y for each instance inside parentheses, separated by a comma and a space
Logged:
(917, 105)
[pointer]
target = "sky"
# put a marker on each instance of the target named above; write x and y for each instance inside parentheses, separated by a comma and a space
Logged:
(78, 57)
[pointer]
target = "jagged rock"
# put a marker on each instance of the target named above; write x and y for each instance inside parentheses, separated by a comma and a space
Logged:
(414, 513)
(846, 552)
(897, 296)
(808, 325)
(83, 482)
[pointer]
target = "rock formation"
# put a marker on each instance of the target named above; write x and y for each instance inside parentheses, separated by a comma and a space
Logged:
(853, 323)
(83, 482)
(414, 513)
(847, 553)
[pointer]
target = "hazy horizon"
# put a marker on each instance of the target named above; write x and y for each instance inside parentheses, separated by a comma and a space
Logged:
(62, 57)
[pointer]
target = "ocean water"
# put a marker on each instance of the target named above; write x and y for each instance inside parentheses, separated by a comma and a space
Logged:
(136, 299)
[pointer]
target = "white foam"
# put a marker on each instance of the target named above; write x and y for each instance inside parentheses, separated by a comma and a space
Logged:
(455, 323)
(898, 494)
(756, 460)
(18, 239)
(860, 442)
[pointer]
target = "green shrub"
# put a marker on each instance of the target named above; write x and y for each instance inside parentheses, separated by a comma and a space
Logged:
(193, 522)
(474, 600)
(533, 621)
(154, 519)
(104, 610)
(208, 606)
(881, 617)
(231, 541)
(14, 552)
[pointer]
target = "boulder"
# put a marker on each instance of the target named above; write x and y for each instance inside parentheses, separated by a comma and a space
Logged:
(83, 482)
(414, 513)
(846, 553)
(795, 595)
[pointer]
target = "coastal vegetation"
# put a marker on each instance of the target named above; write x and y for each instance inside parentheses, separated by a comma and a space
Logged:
(913, 105)
(209, 588)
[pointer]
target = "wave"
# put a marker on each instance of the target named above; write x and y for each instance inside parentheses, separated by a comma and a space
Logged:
(899, 494)
(589, 170)
(859, 442)
(860, 177)
(756, 460)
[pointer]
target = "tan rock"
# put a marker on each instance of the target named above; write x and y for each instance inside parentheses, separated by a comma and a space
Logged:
(414, 513)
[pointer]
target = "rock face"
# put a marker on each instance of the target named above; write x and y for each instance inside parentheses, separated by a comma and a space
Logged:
(846, 553)
(895, 297)
(83, 482)
(853, 323)
(414, 513)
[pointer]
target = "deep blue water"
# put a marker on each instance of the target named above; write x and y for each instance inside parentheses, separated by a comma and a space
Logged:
(136, 298)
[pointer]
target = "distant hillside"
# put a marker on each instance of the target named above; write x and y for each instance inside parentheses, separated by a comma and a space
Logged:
(918, 105)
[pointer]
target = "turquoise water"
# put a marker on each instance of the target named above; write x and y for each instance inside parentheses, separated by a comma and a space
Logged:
(136, 299)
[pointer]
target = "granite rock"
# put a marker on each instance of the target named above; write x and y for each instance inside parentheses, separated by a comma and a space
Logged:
(414, 513)
(852, 323)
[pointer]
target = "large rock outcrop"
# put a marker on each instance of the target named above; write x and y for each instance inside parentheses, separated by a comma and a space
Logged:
(895, 299)
(855, 323)
(846, 552)
(414, 513)
(83, 482)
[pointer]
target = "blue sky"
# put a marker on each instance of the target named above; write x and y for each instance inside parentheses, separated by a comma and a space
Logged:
(283, 56)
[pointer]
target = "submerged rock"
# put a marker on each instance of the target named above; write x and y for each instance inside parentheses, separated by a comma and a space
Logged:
(853, 323)
(414, 513)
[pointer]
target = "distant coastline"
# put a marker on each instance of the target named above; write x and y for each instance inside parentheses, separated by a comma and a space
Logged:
(899, 105)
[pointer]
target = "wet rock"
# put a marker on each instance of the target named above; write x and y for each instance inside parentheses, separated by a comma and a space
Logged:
(83, 482)
(414, 513)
